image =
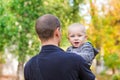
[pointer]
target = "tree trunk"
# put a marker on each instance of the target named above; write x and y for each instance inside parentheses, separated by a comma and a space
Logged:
(1, 68)
(20, 75)
(113, 70)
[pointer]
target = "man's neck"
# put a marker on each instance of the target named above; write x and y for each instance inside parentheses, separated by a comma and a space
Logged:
(50, 42)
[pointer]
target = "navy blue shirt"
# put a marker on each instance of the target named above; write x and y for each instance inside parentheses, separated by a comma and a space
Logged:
(52, 63)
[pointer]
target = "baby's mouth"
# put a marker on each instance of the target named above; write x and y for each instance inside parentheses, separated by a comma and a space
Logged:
(76, 43)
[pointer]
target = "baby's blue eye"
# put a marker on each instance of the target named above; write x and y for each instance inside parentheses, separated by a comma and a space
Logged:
(79, 35)
(72, 36)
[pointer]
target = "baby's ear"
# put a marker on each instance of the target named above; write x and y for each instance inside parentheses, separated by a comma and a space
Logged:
(67, 37)
(86, 37)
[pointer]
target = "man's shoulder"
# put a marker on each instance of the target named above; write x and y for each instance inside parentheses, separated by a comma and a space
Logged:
(31, 61)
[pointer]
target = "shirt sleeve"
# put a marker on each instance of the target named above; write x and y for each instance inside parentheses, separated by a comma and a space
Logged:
(84, 71)
(26, 72)
(31, 70)
(87, 53)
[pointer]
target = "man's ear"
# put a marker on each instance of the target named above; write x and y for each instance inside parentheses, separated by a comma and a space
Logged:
(57, 32)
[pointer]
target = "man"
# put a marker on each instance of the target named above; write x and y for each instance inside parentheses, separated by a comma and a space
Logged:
(52, 63)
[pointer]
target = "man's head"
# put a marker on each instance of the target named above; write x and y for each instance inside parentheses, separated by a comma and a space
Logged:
(76, 34)
(47, 27)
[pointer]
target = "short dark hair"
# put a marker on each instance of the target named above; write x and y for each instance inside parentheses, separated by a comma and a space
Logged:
(46, 25)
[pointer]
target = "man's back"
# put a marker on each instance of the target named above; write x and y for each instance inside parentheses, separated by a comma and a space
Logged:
(54, 64)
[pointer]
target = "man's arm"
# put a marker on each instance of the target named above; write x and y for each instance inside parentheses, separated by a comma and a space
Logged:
(26, 72)
(84, 71)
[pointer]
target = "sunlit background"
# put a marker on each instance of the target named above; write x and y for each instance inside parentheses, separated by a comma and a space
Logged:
(19, 41)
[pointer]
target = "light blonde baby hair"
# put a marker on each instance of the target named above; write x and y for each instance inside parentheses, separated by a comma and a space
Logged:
(74, 25)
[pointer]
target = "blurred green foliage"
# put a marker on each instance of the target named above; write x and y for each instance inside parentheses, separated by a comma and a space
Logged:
(116, 77)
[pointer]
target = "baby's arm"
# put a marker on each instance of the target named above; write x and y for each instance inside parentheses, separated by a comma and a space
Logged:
(87, 52)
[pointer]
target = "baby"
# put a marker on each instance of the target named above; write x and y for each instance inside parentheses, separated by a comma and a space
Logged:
(78, 39)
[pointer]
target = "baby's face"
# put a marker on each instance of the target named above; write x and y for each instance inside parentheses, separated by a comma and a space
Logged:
(76, 36)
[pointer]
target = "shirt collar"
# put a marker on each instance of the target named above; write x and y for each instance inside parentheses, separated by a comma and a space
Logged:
(47, 48)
